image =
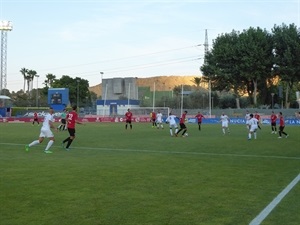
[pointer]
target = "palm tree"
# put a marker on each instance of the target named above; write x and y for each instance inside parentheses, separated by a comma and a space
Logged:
(197, 81)
(24, 73)
(30, 76)
(50, 79)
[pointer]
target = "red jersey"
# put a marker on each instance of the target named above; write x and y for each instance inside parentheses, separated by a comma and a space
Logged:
(71, 118)
(153, 115)
(257, 116)
(281, 121)
(273, 118)
(199, 117)
(128, 116)
(182, 118)
(35, 116)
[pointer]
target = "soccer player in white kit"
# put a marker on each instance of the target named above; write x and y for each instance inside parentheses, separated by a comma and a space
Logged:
(247, 118)
(159, 122)
(172, 123)
(45, 132)
(253, 123)
(224, 120)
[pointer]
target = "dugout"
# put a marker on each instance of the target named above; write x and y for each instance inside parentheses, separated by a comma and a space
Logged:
(5, 106)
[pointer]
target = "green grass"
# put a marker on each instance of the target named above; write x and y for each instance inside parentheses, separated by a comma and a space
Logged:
(113, 176)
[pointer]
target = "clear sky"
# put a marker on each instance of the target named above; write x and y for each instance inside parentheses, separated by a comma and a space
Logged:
(126, 38)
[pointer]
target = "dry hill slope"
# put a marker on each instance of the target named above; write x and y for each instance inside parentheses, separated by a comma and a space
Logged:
(162, 83)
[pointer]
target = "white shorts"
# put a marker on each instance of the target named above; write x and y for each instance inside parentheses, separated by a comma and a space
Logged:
(253, 128)
(174, 125)
(225, 124)
(46, 133)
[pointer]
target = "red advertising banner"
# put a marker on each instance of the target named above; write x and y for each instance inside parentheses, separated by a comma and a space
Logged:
(82, 119)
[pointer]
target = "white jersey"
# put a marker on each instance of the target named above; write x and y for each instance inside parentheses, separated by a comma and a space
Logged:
(47, 118)
(253, 123)
(46, 130)
(172, 120)
(247, 117)
(224, 120)
(159, 117)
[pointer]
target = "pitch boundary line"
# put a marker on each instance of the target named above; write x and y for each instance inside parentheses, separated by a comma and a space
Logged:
(266, 211)
(172, 152)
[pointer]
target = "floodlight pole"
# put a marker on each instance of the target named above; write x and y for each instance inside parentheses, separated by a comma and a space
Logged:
(78, 93)
(37, 90)
(104, 103)
(101, 73)
(272, 94)
(4, 27)
(128, 95)
(153, 100)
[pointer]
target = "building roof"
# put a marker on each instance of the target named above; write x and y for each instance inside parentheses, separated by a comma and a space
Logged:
(4, 97)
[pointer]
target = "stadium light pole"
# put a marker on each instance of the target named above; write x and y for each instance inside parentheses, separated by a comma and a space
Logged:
(153, 100)
(128, 95)
(104, 103)
(181, 108)
(272, 94)
(77, 92)
(5, 26)
(101, 74)
(37, 90)
(209, 98)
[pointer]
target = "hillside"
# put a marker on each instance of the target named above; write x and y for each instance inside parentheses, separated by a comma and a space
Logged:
(162, 83)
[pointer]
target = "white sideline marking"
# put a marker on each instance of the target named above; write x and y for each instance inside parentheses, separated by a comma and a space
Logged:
(263, 214)
(172, 152)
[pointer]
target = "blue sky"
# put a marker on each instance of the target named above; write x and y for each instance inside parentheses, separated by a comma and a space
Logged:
(126, 38)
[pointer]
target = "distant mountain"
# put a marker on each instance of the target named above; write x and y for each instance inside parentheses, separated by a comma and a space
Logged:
(162, 83)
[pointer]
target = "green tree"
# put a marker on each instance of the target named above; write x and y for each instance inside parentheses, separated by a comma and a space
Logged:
(222, 65)
(29, 78)
(255, 50)
(50, 78)
(197, 81)
(287, 54)
(75, 85)
(24, 74)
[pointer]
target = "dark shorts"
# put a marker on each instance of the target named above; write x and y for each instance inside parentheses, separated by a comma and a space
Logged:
(71, 131)
(63, 121)
(199, 123)
(128, 121)
(182, 126)
(273, 124)
(35, 119)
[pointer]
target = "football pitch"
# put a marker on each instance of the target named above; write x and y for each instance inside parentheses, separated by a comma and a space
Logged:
(113, 176)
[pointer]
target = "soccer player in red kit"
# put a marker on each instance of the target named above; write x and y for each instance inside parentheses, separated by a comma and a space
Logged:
(35, 118)
(281, 126)
(273, 123)
(257, 116)
(153, 119)
(182, 124)
(199, 117)
(72, 119)
(128, 118)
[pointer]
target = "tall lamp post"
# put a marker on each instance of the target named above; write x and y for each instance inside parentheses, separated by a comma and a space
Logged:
(272, 94)
(78, 92)
(101, 73)
(5, 26)
(37, 90)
